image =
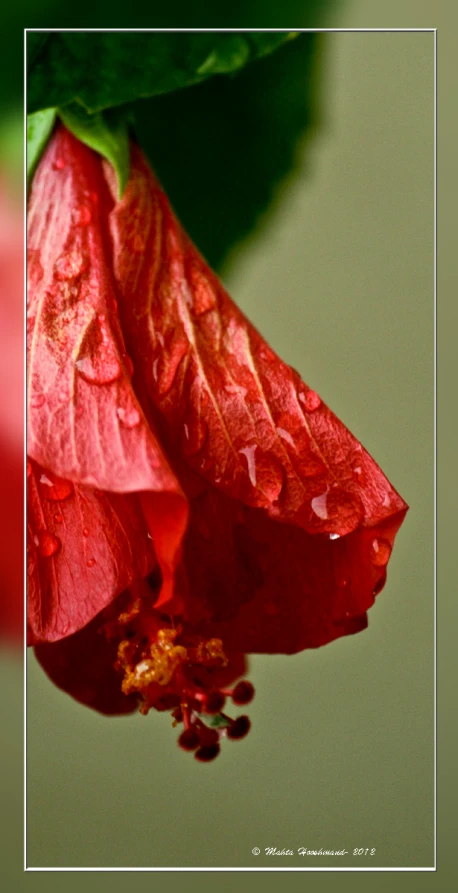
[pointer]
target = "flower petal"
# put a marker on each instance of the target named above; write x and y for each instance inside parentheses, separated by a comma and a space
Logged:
(85, 422)
(84, 548)
(238, 416)
(83, 666)
(267, 587)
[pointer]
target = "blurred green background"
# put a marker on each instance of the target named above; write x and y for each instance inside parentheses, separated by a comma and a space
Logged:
(337, 273)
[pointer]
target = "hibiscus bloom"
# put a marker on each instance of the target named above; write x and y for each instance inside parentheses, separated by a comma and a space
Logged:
(191, 500)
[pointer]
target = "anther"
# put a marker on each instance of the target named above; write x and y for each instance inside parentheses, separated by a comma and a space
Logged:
(243, 693)
(239, 728)
(214, 702)
(189, 739)
(205, 754)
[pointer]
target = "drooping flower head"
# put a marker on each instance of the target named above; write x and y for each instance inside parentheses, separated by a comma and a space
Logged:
(191, 500)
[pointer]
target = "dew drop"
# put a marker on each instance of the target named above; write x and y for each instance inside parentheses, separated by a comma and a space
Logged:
(285, 435)
(85, 531)
(37, 401)
(34, 267)
(82, 216)
(345, 509)
(380, 552)
(169, 366)
(98, 362)
(204, 297)
(195, 435)
(311, 400)
(70, 265)
(48, 544)
(319, 505)
(386, 501)
(55, 488)
(249, 452)
(90, 562)
(128, 417)
(59, 164)
(334, 536)
(29, 468)
(58, 518)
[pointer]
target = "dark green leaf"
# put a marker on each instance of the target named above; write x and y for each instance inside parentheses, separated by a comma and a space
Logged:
(101, 70)
(39, 127)
(222, 149)
(106, 132)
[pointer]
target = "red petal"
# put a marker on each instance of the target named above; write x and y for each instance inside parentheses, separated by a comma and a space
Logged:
(84, 548)
(85, 422)
(280, 556)
(83, 666)
(267, 587)
(238, 415)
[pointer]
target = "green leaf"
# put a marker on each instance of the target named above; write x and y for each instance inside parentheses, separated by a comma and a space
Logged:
(102, 70)
(39, 127)
(218, 721)
(106, 132)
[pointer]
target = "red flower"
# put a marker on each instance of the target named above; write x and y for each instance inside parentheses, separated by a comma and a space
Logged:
(190, 497)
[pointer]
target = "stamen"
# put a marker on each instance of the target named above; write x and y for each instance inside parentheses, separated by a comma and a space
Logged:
(172, 668)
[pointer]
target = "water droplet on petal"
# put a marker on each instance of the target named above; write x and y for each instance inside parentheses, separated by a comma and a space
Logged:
(59, 164)
(380, 552)
(334, 536)
(82, 216)
(128, 417)
(170, 362)
(249, 452)
(37, 401)
(48, 544)
(85, 531)
(90, 562)
(70, 265)
(195, 434)
(319, 505)
(55, 488)
(345, 509)
(285, 435)
(98, 362)
(29, 468)
(311, 400)
(34, 267)
(58, 518)
(386, 501)
(204, 297)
